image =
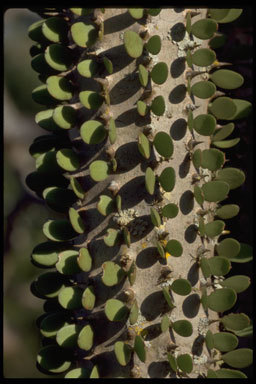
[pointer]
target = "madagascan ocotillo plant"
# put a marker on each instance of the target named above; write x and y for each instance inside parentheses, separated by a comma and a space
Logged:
(137, 112)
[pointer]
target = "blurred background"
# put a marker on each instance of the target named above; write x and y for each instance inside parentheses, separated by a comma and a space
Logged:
(25, 214)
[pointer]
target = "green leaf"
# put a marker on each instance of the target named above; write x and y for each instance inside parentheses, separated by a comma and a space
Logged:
(217, 14)
(183, 328)
(209, 341)
(203, 57)
(91, 100)
(54, 359)
(112, 237)
(139, 348)
(174, 247)
(50, 324)
(167, 297)
(99, 170)
(214, 228)
(172, 361)
(239, 283)
(158, 106)
(106, 205)
(108, 65)
(222, 300)
(225, 15)
(81, 11)
(235, 321)
(211, 374)
(223, 132)
(46, 254)
(142, 108)
(215, 191)
(248, 331)
(143, 75)
(189, 59)
(203, 89)
(223, 108)
(155, 217)
(205, 267)
(76, 220)
(133, 44)
(93, 132)
(87, 68)
(219, 266)
(204, 124)
(232, 176)
(67, 263)
(123, 352)
(227, 211)
(204, 29)
(201, 226)
(58, 57)
(77, 188)
(226, 143)
(88, 298)
(85, 338)
(188, 23)
(70, 297)
(225, 373)
(132, 273)
(46, 164)
(66, 337)
(136, 13)
(150, 180)
(67, 159)
(197, 158)
(64, 116)
(170, 211)
(243, 109)
(59, 199)
(160, 250)
(77, 373)
(153, 45)
(144, 146)
(35, 32)
(40, 65)
(115, 310)
(95, 373)
(112, 131)
(198, 195)
(159, 73)
(41, 95)
(228, 248)
(45, 120)
(240, 358)
(217, 41)
(59, 87)
(49, 284)
(154, 11)
(84, 260)
(165, 323)
(185, 363)
(227, 79)
(59, 230)
(84, 35)
(167, 179)
(181, 287)
(134, 313)
(163, 144)
(245, 254)
(112, 273)
(212, 159)
(55, 29)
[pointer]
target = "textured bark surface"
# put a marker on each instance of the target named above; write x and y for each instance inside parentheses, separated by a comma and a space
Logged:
(125, 91)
